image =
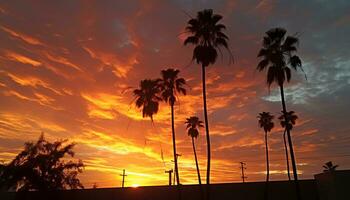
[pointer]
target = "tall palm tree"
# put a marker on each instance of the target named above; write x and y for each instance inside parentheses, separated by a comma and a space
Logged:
(206, 34)
(278, 57)
(291, 122)
(265, 122)
(192, 130)
(147, 97)
(171, 85)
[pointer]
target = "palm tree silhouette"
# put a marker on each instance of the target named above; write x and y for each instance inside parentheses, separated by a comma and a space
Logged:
(170, 86)
(192, 130)
(206, 34)
(265, 122)
(278, 55)
(329, 167)
(147, 97)
(292, 120)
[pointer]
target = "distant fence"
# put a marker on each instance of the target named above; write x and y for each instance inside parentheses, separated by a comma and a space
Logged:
(241, 191)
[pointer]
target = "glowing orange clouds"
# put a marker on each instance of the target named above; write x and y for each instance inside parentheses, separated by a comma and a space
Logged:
(25, 38)
(71, 75)
(22, 59)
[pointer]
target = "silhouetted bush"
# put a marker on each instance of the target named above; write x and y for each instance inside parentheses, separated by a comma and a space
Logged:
(40, 166)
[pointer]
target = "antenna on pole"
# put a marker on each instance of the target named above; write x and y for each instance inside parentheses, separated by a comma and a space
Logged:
(123, 175)
(242, 167)
(169, 172)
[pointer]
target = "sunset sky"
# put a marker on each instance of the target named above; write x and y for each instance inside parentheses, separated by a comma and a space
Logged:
(68, 68)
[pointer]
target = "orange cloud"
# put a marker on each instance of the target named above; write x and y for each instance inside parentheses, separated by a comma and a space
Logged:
(62, 60)
(309, 132)
(14, 93)
(114, 144)
(30, 126)
(43, 99)
(247, 141)
(38, 98)
(222, 129)
(103, 104)
(120, 69)
(25, 38)
(32, 82)
(22, 59)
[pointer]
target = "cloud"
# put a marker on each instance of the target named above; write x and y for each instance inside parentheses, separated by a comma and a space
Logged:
(33, 82)
(62, 60)
(23, 37)
(22, 59)
(119, 69)
(29, 126)
(108, 103)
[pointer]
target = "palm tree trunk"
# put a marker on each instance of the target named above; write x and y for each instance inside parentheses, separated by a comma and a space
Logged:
(287, 157)
(294, 166)
(267, 168)
(206, 132)
(195, 158)
(175, 154)
(174, 144)
(267, 159)
(206, 123)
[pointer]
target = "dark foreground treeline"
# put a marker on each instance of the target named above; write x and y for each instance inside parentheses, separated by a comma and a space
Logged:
(247, 191)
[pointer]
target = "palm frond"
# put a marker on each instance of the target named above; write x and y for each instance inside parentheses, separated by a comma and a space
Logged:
(276, 35)
(222, 35)
(207, 36)
(265, 121)
(295, 62)
(220, 27)
(290, 42)
(263, 52)
(278, 55)
(288, 73)
(216, 18)
(221, 42)
(191, 40)
(262, 64)
(271, 75)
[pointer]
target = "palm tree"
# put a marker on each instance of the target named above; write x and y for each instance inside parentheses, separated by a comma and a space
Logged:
(329, 167)
(206, 34)
(170, 86)
(278, 57)
(292, 119)
(265, 122)
(192, 130)
(147, 97)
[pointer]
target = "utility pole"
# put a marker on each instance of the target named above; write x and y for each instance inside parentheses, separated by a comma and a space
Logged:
(242, 167)
(177, 156)
(123, 175)
(169, 172)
